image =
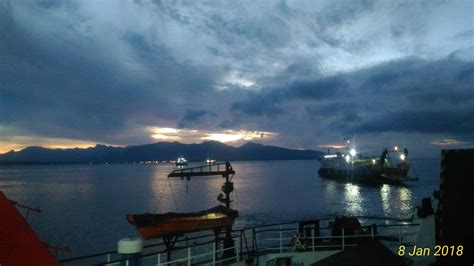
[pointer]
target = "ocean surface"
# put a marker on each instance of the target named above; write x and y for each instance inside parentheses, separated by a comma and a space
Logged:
(84, 206)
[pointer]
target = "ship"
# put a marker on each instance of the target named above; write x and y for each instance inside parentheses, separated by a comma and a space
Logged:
(391, 167)
(181, 161)
(210, 161)
(152, 226)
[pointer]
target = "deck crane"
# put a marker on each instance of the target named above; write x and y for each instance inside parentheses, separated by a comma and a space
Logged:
(225, 170)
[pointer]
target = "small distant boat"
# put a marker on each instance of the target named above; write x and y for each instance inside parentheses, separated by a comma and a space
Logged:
(210, 161)
(156, 225)
(389, 168)
(181, 161)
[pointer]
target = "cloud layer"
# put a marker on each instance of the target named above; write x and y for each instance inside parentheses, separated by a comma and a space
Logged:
(311, 72)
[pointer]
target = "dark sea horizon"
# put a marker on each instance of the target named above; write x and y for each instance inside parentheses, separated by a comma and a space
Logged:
(84, 206)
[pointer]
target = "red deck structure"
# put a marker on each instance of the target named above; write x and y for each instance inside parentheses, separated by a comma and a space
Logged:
(19, 245)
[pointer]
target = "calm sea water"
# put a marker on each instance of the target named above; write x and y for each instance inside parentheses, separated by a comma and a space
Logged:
(84, 206)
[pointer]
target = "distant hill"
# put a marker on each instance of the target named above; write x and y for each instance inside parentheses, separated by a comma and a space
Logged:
(155, 152)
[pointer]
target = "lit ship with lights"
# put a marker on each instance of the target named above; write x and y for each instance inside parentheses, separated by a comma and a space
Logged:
(210, 161)
(181, 161)
(391, 167)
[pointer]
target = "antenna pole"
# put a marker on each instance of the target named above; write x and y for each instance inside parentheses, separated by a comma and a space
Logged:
(227, 188)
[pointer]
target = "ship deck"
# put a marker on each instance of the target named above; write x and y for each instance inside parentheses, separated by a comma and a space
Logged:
(262, 243)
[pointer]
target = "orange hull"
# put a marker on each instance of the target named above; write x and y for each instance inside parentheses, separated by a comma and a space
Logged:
(156, 225)
(182, 226)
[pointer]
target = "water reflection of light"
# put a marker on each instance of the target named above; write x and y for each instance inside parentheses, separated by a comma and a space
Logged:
(330, 188)
(163, 190)
(405, 194)
(405, 199)
(352, 198)
(385, 195)
(182, 195)
(352, 190)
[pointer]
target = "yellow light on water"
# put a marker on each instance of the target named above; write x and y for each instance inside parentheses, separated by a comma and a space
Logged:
(353, 199)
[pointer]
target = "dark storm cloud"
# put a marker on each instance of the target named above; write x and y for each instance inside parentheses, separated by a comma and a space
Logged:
(53, 89)
(346, 112)
(258, 106)
(267, 102)
(322, 89)
(417, 78)
(370, 98)
(235, 122)
(454, 121)
(416, 95)
(191, 117)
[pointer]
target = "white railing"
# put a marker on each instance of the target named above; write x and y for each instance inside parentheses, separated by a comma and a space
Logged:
(268, 240)
(189, 258)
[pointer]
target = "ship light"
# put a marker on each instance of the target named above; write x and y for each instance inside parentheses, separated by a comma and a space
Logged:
(395, 148)
(402, 157)
(373, 161)
(348, 158)
(330, 156)
(353, 152)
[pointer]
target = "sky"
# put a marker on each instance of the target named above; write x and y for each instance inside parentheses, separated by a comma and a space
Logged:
(297, 74)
